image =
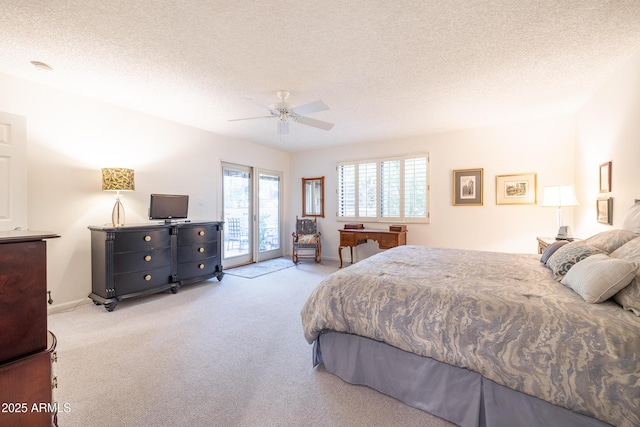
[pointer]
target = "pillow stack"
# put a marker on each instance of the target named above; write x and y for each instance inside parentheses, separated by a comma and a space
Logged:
(600, 267)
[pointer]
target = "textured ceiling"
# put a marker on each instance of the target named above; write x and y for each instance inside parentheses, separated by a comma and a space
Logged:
(387, 69)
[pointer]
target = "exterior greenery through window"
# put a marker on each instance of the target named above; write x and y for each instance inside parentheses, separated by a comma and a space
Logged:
(392, 189)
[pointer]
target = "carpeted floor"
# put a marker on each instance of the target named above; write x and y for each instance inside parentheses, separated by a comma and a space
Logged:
(258, 269)
(229, 353)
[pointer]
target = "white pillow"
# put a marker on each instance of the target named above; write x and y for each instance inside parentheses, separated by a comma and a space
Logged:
(598, 277)
(632, 218)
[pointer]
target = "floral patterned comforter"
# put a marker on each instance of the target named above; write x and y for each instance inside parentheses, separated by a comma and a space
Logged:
(501, 315)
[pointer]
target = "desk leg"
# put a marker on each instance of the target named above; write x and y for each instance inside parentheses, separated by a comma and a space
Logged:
(340, 254)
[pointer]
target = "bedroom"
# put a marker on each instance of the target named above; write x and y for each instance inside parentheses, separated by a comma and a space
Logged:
(70, 137)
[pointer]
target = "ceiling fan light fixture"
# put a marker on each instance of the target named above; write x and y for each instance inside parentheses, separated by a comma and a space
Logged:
(284, 112)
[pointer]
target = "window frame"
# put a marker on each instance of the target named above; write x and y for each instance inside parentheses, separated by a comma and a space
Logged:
(354, 205)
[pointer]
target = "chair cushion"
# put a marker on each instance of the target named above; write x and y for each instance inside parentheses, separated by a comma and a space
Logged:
(307, 239)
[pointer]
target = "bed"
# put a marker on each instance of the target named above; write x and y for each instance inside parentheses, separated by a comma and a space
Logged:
(490, 339)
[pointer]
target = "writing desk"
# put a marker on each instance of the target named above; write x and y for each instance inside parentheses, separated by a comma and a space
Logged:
(386, 239)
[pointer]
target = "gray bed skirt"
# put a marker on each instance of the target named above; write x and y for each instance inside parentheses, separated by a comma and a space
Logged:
(458, 395)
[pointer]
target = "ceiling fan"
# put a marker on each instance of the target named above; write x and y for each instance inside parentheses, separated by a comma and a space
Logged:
(286, 112)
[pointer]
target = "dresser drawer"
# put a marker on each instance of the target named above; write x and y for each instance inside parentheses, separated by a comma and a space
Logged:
(23, 288)
(347, 239)
(141, 280)
(190, 270)
(193, 235)
(141, 261)
(197, 252)
(142, 240)
(387, 242)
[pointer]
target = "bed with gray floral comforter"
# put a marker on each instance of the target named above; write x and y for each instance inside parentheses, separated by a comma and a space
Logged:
(501, 315)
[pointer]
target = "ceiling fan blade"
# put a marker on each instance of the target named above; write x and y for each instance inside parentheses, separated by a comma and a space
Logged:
(312, 107)
(251, 118)
(283, 128)
(314, 122)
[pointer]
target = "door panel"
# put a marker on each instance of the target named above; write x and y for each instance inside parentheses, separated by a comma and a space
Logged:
(13, 172)
(237, 214)
(269, 231)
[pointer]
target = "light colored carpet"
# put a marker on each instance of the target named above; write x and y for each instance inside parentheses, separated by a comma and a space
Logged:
(227, 353)
(258, 269)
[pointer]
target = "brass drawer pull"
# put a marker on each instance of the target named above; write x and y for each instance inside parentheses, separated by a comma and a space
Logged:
(200, 250)
(201, 266)
(147, 238)
(147, 258)
(147, 277)
(201, 233)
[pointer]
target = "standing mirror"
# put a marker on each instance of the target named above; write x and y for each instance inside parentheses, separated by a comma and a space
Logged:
(313, 197)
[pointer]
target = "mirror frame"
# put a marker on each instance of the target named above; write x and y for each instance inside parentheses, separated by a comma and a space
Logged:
(311, 198)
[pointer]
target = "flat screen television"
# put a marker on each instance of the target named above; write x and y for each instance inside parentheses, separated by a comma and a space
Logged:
(168, 207)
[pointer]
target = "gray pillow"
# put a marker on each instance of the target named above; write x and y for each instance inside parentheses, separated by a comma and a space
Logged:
(632, 218)
(551, 249)
(609, 241)
(598, 277)
(568, 255)
(629, 297)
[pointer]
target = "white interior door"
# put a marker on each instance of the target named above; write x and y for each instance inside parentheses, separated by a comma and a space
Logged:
(13, 172)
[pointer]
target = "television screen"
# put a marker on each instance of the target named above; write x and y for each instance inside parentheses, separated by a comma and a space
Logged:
(168, 206)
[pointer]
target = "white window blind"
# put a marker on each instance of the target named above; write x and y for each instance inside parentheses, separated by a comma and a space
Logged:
(391, 189)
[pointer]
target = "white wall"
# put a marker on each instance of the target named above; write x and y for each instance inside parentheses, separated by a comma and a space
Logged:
(545, 147)
(609, 130)
(70, 138)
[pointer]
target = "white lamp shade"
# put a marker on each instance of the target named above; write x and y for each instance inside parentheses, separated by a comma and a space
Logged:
(559, 196)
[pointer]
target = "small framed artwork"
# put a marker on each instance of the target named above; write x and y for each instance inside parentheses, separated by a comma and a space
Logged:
(467, 187)
(605, 210)
(605, 177)
(517, 189)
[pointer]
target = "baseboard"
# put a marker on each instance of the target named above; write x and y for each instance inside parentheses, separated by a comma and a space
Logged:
(67, 306)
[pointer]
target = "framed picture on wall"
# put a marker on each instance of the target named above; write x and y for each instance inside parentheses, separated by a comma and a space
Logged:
(605, 177)
(517, 189)
(604, 207)
(467, 187)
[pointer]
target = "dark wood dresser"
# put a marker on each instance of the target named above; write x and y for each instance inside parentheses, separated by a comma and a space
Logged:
(27, 349)
(139, 260)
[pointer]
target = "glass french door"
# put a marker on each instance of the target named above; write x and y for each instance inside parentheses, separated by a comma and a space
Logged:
(251, 213)
(269, 230)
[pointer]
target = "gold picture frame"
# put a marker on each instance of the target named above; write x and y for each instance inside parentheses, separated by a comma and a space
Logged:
(468, 187)
(605, 177)
(604, 209)
(517, 189)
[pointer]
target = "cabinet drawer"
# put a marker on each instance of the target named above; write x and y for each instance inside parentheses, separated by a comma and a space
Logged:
(141, 280)
(141, 261)
(197, 252)
(26, 382)
(347, 239)
(23, 289)
(189, 270)
(142, 240)
(197, 234)
(387, 242)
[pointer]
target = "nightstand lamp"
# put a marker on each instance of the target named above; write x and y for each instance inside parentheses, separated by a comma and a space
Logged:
(118, 179)
(560, 196)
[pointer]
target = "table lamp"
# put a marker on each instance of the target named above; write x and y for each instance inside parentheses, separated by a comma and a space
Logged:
(118, 179)
(560, 196)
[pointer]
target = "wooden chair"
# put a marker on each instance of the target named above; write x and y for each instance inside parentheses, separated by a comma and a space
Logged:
(306, 240)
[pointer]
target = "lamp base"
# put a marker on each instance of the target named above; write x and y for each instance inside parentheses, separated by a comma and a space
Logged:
(117, 216)
(564, 233)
